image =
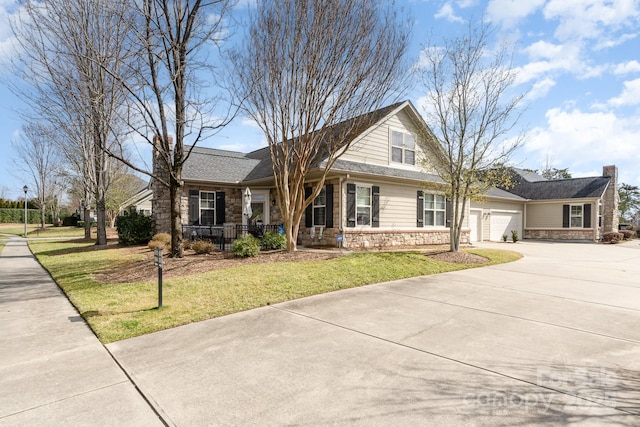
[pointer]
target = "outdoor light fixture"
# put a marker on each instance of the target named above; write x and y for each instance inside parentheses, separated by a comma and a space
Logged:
(25, 189)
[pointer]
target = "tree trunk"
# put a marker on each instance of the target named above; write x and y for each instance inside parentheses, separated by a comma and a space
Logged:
(87, 222)
(43, 208)
(176, 220)
(101, 219)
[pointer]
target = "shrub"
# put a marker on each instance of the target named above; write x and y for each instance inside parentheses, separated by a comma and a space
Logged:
(504, 238)
(273, 240)
(134, 229)
(514, 236)
(247, 246)
(202, 247)
(612, 237)
(187, 244)
(160, 240)
(80, 224)
(628, 234)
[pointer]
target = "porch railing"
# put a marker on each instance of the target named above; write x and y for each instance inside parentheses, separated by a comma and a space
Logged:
(223, 236)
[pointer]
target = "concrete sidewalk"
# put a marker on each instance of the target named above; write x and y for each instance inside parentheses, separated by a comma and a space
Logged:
(53, 370)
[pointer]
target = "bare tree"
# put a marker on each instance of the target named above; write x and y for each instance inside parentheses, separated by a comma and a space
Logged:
(124, 186)
(307, 66)
(169, 80)
(65, 48)
(469, 110)
(36, 155)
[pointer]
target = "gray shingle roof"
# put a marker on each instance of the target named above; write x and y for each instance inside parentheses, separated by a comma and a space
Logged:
(574, 188)
(218, 166)
(502, 194)
(529, 175)
(383, 171)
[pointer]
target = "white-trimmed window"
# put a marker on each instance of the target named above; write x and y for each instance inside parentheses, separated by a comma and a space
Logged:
(434, 210)
(403, 148)
(576, 216)
(363, 205)
(320, 208)
(207, 208)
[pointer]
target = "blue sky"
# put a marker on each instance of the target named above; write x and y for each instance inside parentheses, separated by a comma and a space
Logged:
(579, 61)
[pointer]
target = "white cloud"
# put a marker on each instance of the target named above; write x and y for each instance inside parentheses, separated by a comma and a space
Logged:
(540, 89)
(627, 67)
(588, 19)
(585, 141)
(606, 43)
(630, 94)
(509, 12)
(446, 12)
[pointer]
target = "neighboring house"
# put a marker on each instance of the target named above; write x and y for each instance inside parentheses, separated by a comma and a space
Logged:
(141, 201)
(564, 209)
(378, 194)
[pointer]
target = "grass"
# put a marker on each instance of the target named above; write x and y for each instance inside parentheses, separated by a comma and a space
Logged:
(116, 311)
(34, 230)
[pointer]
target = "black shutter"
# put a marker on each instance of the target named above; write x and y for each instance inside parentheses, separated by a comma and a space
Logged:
(420, 221)
(308, 213)
(351, 205)
(194, 207)
(587, 215)
(220, 218)
(448, 213)
(329, 215)
(375, 206)
(565, 216)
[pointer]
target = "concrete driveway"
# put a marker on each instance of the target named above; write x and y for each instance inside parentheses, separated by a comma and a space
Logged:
(551, 339)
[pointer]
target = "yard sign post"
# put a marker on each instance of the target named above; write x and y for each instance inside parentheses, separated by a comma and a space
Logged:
(157, 261)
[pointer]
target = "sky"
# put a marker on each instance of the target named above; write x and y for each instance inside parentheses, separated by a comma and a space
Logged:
(578, 61)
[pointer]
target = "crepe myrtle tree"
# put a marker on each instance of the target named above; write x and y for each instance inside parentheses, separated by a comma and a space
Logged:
(470, 110)
(307, 66)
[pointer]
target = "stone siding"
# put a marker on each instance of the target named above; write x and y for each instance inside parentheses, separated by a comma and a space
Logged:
(373, 239)
(564, 234)
(610, 200)
(161, 199)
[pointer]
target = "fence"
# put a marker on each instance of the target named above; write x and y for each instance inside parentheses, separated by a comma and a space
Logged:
(223, 236)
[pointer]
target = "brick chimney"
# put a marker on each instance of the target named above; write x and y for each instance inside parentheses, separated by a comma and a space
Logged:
(610, 200)
(161, 200)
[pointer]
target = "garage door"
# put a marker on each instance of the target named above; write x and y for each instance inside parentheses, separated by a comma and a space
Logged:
(503, 222)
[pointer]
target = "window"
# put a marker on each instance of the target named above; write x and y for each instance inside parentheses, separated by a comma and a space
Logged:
(363, 205)
(320, 208)
(576, 216)
(207, 208)
(434, 210)
(403, 148)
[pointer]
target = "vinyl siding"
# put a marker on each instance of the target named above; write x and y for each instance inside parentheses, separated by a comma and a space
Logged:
(544, 215)
(398, 205)
(374, 148)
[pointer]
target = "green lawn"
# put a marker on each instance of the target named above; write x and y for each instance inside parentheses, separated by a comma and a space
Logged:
(34, 230)
(117, 311)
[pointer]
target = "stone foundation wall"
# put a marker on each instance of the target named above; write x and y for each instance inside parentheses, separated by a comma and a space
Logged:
(373, 239)
(565, 234)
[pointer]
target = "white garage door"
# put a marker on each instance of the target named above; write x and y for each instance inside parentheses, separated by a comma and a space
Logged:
(503, 222)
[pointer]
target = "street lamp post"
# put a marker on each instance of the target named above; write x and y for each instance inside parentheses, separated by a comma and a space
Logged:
(25, 188)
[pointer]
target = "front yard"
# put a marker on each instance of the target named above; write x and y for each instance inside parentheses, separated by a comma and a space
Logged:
(115, 288)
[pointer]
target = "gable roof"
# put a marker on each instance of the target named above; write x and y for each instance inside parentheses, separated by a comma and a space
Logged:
(528, 187)
(232, 167)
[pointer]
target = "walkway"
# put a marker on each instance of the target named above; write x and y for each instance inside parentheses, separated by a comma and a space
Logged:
(53, 370)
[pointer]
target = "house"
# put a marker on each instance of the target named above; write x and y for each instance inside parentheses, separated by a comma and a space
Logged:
(377, 194)
(564, 209)
(140, 202)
